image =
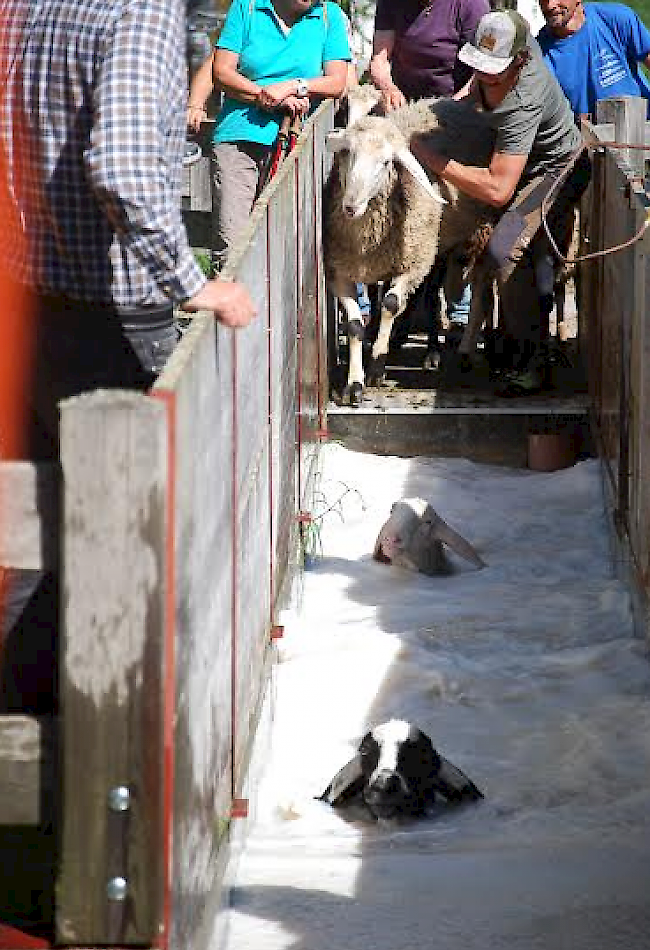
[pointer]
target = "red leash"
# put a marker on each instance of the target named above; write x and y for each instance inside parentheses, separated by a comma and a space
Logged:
(284, 144)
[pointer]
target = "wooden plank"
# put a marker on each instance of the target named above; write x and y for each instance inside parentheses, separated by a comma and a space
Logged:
(196, 187)
(112, 877)
(639, 427)
(628, 116)
(199, 377)
(26, 770)
(283, 309)
(29, 515)
(606, 132)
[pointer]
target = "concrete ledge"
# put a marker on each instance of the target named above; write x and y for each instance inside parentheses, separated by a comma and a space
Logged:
(496, 435)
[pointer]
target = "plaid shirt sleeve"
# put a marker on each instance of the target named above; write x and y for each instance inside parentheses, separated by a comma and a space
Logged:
(133, 160)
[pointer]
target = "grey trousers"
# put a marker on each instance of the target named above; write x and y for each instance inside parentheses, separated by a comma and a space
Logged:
(236, 170)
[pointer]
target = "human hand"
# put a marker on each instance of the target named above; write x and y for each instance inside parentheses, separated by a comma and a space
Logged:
(296, 106)
(392, 98)
(230, 302)
(273, 96)
(196, 114)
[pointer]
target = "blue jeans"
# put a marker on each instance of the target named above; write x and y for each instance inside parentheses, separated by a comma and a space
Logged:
(458, 309)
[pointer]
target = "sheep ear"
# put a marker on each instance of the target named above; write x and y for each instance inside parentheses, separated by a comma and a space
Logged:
(406, 158)
(347, 783)
(337, 140)
(456, 542)
(361, 100)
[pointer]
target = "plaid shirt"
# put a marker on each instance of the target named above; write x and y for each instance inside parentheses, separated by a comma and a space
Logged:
(92, 122)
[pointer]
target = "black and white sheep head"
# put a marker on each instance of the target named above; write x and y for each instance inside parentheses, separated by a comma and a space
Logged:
(398, 773)
(368, 152)
(399, 763)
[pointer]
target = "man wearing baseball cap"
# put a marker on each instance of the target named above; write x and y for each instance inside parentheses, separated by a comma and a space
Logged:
(536, 140)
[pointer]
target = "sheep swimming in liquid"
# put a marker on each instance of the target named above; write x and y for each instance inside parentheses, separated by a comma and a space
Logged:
(398, 773)
(414, 537)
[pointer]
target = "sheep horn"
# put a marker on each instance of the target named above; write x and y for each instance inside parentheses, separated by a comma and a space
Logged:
(455, 541)
(410, 162)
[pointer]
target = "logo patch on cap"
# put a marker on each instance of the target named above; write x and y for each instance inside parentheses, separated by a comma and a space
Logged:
(489, 41)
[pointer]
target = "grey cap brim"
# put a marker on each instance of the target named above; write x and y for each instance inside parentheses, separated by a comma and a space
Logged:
(483, 62)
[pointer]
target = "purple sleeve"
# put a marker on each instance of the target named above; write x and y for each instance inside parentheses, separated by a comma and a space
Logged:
(384, 15)
(470, 12)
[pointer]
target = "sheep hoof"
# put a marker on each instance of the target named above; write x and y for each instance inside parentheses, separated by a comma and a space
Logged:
(376, 370)
(390, 302)
(356, 395)
(352, 395)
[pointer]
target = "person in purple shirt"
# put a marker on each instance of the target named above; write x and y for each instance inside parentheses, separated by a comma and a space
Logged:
(415, 47)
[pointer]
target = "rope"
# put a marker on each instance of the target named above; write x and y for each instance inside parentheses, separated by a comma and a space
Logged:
(560, 180)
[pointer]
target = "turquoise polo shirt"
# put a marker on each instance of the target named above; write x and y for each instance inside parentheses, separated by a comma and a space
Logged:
(267, 54)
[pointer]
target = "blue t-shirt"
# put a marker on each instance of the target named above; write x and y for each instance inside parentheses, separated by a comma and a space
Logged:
(600, 61)
(268, 54)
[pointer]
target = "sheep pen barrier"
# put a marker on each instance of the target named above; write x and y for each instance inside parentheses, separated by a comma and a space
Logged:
(179, 536)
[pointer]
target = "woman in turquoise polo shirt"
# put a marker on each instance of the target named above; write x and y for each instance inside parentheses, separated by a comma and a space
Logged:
(272, 57)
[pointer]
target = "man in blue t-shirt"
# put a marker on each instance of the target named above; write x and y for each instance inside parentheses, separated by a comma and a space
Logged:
(594, 51)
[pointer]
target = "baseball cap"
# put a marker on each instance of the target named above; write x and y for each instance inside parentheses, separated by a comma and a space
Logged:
(500, 35)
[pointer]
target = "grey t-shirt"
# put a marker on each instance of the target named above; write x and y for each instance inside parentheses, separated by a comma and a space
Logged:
(535, 119)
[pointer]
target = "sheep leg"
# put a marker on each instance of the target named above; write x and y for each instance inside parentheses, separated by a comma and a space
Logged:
(392, 305)
(353, 389)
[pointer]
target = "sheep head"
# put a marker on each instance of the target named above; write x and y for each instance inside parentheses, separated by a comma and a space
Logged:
(360, 100)
(368, 152)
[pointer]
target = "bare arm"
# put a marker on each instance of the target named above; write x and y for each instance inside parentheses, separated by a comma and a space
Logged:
(381, 72)
(227, 77)
(200, 89)
(494, 185)
(279, 94)
(230, 302)
(332, 83)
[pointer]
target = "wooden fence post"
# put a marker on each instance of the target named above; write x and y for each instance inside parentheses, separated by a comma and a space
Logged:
(111, 884)
(628, 114)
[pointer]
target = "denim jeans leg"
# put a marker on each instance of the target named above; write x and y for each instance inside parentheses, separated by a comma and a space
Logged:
(458, 307)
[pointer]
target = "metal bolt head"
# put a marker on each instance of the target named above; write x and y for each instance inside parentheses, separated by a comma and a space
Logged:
(117, 888)
(119, 798)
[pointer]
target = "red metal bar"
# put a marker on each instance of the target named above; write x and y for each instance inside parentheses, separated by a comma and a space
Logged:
(168, 398)
(234, 574)
(270, 414)
(298, 335)
(317, 271)
(239, 808)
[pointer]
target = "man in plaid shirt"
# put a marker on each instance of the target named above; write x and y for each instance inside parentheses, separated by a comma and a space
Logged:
(92, 124)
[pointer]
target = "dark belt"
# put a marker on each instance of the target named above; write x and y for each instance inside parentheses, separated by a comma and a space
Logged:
(151, 317)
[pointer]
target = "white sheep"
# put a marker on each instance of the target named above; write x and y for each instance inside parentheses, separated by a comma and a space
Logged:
(414, 537)
(386, 219)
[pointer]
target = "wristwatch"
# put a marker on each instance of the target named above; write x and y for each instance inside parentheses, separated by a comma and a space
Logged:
(302, 89)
